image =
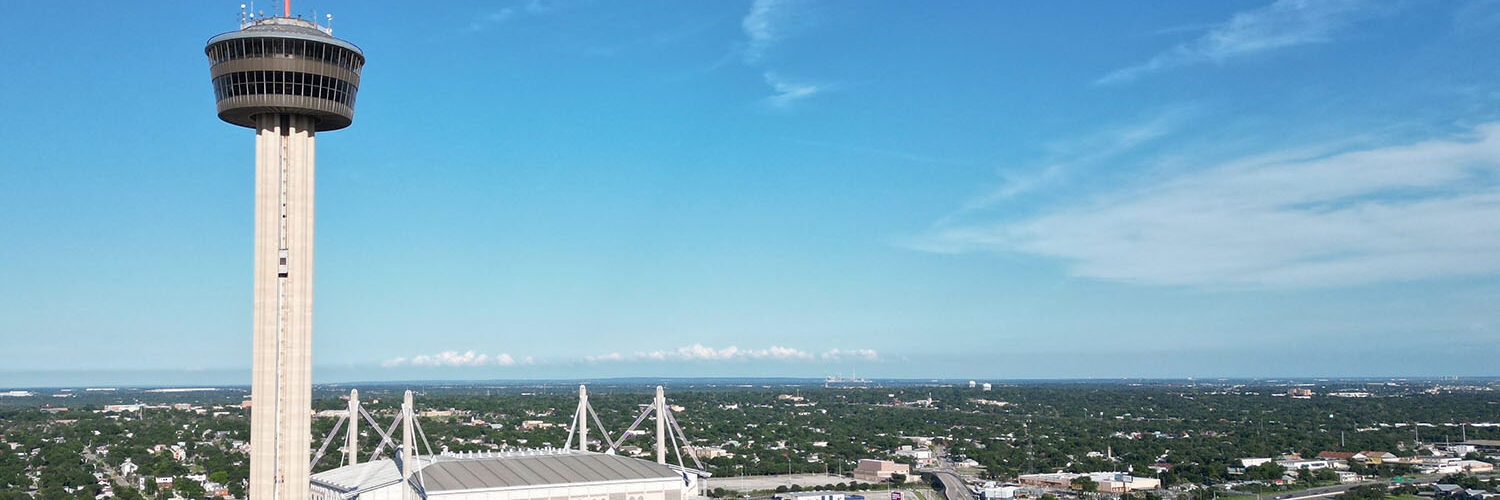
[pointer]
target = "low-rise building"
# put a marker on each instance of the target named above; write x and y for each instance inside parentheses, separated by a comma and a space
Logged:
(879, 470)
(1487, 446)
(992, 491)
(923, 457)
(1109, 482)
(1377, 457)
(810, 495)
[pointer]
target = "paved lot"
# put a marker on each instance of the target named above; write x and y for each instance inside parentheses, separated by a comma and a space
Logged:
(752, 483)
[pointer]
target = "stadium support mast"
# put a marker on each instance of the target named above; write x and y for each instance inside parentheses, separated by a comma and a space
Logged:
(287, 79)
(351, 443)
(661, 425)
(408, 449)
(583, 418)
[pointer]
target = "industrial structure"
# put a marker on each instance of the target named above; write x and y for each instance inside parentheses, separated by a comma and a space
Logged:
(287, 79)
(514, 474)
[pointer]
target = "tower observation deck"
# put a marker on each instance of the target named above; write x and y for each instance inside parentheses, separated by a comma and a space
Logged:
(288, 79)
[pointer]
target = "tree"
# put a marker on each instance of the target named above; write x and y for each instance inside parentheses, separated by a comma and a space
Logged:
(1365, 492)
(188, 488)
(1265, 472)
(127, 493)
(1085, 484)
(898, 478)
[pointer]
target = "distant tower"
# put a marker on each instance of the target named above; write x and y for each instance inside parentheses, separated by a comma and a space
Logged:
(286, 78)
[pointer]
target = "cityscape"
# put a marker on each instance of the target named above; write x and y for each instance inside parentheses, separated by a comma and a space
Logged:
(578, 250)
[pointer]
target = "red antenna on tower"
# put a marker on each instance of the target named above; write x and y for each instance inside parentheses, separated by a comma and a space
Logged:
(286, 8)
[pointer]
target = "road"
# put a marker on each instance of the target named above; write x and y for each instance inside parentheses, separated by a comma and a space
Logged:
(1328, 491)
(953, 487)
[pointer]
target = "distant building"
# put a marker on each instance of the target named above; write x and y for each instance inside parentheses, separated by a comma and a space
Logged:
(992, 491)
(879, 470)
(922, 456)
(534, 424)
(1377, 457)
(1340, 455)
(1304, 463)
(1472, 466)
(707, 452)
(986, 386)
(1488, 446)
(810, 495)
(1109, 482)
(971, 384)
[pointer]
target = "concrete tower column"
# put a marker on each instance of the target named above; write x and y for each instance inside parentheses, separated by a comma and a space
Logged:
(285, 78)
(661, 426)
(281, 383)
(583, 418)
(351, 443)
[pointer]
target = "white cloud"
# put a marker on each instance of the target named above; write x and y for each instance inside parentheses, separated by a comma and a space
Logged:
(787, 91)
(451, 358)
(1082, 152)
(455, 358)
(506, 14)
(767, 23)
(1284, 23)
(762, 28)
(864, 354)
(700, 352)
(491, 19)
(1424, 210)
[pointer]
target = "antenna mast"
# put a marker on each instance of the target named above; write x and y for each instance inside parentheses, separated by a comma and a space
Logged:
(286, 8)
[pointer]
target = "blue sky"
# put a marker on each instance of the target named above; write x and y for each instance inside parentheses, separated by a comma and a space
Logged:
(584, 189)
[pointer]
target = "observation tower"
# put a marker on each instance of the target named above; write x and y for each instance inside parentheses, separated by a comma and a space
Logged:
(287, 79)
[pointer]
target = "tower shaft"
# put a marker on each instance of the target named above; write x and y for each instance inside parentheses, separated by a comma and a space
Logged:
(281, 385)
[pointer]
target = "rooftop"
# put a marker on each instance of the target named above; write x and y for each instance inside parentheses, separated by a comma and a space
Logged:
(528, 468)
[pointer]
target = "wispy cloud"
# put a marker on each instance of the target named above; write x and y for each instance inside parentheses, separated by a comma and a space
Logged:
(766, 25)
(700, 352)
(1284, 23)
(762, 28)
(505, 14)
(492, 19)
(838, 354)
(457, 359)
(1067, 156)
(1417, 211)
(787, 91)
